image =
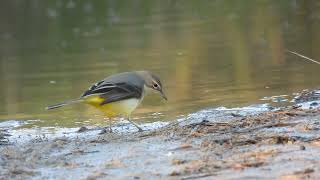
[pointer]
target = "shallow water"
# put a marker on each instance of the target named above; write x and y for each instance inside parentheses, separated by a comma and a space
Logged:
(208, 54)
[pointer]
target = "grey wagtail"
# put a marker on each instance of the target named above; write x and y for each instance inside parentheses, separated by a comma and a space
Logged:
(118, 94)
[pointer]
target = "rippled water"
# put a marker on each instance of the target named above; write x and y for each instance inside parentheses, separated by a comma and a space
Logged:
(208, 54)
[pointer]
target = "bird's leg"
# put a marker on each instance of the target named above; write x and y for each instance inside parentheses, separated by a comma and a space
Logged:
(136, 125)
(104, 130)
(110, 126)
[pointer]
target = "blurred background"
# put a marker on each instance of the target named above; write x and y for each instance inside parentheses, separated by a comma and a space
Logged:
(208, 53)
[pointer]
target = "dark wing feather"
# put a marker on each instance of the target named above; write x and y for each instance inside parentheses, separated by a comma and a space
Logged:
(97, 87)
(112, 92)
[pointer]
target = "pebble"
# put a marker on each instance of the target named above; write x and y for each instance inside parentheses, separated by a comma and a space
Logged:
(314, 104)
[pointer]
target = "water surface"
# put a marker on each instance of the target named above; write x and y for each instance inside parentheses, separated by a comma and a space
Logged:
(208, 54)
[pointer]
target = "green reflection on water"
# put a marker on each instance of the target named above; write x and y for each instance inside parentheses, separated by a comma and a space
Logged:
(208, 53)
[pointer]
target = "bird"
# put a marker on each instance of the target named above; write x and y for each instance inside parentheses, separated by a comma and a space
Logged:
(118, 94)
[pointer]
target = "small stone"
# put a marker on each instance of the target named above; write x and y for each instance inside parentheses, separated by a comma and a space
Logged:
(314, 104)
(178, 162)
(82, 129)
(302, 147)
(103, 131)
(174, 173)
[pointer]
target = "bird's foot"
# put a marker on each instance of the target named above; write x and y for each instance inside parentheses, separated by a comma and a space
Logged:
(140, 129)
(106, 130)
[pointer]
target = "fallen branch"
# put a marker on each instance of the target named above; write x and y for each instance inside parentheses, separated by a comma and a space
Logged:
(302, 56)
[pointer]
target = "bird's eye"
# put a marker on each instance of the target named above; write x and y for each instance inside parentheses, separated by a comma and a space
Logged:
(155, 85)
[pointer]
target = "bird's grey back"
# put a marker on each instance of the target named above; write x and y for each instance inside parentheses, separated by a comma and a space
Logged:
(126, 77)
(131, 83)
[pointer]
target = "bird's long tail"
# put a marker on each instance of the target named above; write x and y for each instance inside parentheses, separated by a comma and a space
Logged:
(74, 101)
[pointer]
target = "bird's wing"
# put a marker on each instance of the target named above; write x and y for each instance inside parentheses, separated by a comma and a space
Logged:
(112, 92)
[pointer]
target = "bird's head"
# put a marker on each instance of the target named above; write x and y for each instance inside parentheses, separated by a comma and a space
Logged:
(152, 81)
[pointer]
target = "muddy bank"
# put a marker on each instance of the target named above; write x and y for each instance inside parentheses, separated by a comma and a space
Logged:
(244, 143)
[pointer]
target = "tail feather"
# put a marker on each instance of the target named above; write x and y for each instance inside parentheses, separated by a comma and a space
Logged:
(63, 104)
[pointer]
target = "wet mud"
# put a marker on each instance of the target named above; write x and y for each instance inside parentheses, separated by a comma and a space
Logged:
(242, 143)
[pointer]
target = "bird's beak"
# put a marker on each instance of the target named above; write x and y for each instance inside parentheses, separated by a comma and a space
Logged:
(163, 95)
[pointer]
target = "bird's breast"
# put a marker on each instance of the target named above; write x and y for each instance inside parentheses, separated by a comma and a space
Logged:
(122, 107)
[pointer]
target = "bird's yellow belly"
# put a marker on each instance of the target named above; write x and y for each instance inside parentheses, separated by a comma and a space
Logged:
(123, 107)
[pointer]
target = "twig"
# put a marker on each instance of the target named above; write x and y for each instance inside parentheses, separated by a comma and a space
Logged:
(278, 124)
(199, 176)
(302, 56)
